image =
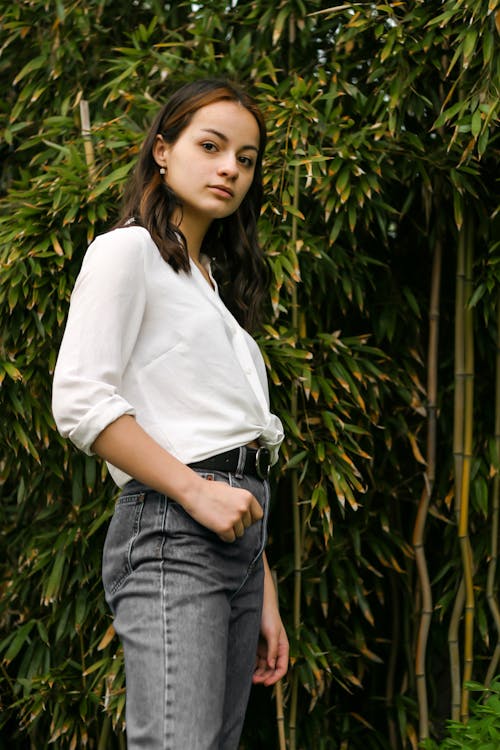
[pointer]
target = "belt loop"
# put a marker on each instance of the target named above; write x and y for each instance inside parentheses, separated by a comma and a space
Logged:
(241, 462)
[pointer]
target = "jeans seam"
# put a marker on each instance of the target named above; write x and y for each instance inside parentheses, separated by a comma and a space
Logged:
(164, 621)
(135, 532)
(165, 651)
(128, 499)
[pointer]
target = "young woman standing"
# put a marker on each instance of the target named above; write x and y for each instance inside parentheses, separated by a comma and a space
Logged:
(157, 376)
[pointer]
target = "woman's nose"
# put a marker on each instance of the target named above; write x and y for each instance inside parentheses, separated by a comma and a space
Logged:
(229, 166)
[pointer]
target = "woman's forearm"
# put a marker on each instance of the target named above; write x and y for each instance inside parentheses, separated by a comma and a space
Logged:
(226, 510)
(127, 446)
(273, 649)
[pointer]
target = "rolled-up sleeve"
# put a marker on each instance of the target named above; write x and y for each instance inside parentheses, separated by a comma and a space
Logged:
(105, 315)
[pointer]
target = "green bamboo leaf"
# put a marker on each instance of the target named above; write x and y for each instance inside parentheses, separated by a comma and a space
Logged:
(53, 586)
(22, 437)
(11, 370)
(412, 301)
(343, 180)
(476, 123)
(469, 45)
(295, 460)
(19, 640)
(64, 614)
(363, 604)
(42, 632)
(483, 142)
(324, 595)
(115, 177)
(80, 609)
(95, 666)
(294, 211)
(34, 64)
(279, 24)
(448, 114)
(488, 46)
(328, 419)
(352, 214)
(337, 226)
(478, 293)
(387, 49)
(442, 19)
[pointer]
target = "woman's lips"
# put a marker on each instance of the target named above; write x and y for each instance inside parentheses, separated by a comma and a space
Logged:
(222, 190)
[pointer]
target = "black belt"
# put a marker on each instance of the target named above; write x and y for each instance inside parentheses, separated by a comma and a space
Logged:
(238, 461)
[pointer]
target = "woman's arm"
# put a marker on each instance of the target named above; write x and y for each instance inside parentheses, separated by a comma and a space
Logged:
(273, 649)
(226, 510)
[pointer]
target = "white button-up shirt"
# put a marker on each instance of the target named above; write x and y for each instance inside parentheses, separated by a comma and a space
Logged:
(144, 340)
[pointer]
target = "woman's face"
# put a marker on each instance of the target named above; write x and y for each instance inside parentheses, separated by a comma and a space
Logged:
(211, 165)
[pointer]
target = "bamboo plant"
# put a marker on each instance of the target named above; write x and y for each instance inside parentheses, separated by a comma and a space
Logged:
(363, 125)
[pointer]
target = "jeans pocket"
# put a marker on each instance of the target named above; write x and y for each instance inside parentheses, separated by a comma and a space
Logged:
(122, 533)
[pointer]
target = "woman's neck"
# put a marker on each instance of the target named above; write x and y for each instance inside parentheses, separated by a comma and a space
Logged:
(194, 231)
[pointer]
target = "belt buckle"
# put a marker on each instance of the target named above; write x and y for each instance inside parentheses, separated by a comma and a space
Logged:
(263, 462)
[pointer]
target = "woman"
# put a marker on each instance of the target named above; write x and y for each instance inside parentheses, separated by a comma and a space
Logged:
(160, 379)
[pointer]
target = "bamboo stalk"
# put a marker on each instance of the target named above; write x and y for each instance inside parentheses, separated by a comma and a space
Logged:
(280, 716)
(454, 650)
(104, 735)
(86, 135)
(297, 532)
(280, 712)
(463, 524)
(296, 513)
(458, 455)
(423, 508)
(392, 664)
(495, 511)
(298, 521)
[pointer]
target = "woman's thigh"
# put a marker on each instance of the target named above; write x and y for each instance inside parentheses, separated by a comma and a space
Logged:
(187, 607)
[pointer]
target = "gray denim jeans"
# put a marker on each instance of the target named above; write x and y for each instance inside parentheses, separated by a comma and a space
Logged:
(187, 608)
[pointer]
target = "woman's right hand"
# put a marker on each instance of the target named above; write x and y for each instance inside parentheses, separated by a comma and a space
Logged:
(223, 509)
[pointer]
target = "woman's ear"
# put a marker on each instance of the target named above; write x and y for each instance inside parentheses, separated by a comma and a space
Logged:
(160, 151)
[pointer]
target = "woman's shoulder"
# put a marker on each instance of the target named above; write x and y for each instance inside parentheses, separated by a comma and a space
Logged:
(120, 247)
(130, 239)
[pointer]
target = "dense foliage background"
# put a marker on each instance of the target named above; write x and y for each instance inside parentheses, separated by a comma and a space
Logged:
(381, 230)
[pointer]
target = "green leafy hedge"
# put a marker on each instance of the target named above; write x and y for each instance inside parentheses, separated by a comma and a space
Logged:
(382, 150)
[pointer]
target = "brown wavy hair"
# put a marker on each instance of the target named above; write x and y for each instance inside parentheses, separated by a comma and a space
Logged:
(232, 242)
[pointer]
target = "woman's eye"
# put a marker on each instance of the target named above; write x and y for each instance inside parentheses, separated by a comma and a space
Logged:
(209, 146)
(246, 161)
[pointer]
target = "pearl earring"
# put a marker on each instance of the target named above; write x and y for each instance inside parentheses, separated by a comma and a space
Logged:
(163, 170)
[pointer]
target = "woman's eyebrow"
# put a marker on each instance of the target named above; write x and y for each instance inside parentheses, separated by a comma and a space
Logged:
(225, 138)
